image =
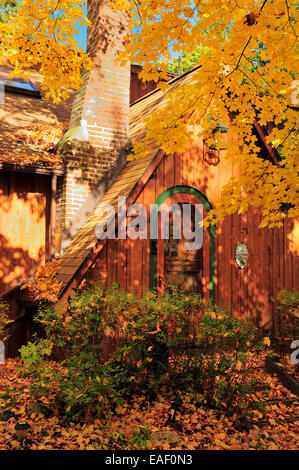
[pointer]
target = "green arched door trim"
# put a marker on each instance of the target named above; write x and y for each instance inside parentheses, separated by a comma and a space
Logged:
(153, 243)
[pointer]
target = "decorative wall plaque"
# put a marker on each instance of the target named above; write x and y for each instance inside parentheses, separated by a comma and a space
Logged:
(241, 255)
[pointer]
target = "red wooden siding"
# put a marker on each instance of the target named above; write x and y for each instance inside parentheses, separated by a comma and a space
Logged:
(138, 88)
(273, 254)
(24, 225)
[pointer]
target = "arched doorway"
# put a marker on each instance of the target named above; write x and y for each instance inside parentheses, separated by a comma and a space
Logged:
(169, 261)
(180, 266)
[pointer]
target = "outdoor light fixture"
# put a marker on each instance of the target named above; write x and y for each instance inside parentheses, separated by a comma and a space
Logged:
(212, 154)
(21, 430)
(222, 129)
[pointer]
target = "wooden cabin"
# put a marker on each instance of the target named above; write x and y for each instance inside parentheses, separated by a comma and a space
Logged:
(32, 182)
(27, 177)
(51, 205)
(189, 178)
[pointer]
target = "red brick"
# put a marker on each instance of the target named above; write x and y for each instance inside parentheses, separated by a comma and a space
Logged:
(108, 85)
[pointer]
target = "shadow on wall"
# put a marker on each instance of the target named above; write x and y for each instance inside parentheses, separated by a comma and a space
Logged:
(23, 195)
(107, 27)
(17, 264)
(92, 173)
(24, 222)
(273, 263)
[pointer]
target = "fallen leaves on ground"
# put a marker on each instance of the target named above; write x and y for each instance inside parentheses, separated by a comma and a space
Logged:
(198, 427)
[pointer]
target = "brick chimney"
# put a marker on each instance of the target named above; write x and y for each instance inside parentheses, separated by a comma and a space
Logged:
(94, 149)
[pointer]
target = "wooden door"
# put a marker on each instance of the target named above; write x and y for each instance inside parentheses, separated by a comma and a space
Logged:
(182, 267)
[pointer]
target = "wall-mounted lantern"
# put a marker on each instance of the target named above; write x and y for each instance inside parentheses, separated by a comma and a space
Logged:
(221, 129)
(212, 155)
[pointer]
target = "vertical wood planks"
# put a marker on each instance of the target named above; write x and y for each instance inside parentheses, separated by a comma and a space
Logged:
(24, 204)
(272, 256)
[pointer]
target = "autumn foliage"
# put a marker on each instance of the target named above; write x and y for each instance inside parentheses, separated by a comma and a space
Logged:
(114, 345)
(132, 367)
(129, 426)
(246, 72)
(44, 160)
(44, 287)
(4, 318)
(42, 139)
(287, 303)
(43, 136)
(42, 34)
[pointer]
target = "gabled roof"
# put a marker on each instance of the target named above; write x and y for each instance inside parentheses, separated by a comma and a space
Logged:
(125, 184)
(129, 182)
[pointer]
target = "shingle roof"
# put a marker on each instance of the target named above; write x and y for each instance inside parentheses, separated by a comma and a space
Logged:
(21, 112)
(85, 239)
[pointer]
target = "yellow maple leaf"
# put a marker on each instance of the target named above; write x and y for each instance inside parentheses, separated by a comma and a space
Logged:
(267, 341)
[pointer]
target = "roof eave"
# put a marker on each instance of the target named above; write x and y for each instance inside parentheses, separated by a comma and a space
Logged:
(36, 169)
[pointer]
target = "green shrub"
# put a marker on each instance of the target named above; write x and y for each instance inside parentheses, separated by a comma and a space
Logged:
(288, 321)
(288, 308)
(3, 319)
(115, 344)
(214, 362)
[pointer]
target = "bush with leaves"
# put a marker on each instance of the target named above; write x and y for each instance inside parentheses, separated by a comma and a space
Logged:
(288, 308)
(288, 320)
(210, 350)
(114, 344)
(4, 308)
